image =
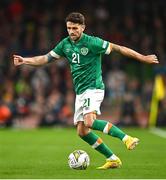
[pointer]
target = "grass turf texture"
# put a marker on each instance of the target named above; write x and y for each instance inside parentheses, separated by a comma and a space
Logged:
(43, 153)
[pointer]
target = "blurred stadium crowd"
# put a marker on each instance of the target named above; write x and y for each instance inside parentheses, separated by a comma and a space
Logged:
(43, 96)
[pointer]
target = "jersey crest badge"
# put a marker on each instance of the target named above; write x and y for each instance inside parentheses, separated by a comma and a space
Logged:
(84, 51)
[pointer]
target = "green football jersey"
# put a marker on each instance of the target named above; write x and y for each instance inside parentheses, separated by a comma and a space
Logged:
(84, 57)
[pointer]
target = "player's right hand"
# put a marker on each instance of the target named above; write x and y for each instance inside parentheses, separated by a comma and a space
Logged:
(151, 59)
(18, 60)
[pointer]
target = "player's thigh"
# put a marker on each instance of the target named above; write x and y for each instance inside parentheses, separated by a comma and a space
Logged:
(88, 102)
(92, 101)
(78, 114)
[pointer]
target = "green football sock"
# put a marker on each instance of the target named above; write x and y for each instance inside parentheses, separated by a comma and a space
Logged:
(108, 128)
(97, 143)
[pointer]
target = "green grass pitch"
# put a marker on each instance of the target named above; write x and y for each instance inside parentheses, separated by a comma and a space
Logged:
(43, 153)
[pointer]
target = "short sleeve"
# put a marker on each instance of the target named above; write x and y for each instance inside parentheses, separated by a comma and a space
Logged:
(57, 52)
(99, 46)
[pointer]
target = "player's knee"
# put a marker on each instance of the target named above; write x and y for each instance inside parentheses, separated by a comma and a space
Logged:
(82, 130)
(82, 133)
(89, 119)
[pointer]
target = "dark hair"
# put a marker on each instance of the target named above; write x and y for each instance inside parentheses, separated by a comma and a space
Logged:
(75, 17)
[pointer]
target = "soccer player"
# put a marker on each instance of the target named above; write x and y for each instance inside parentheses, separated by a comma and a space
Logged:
(83, 53)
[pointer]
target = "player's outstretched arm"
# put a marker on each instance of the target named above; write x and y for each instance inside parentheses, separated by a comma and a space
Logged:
(151, 59)
(34, 61)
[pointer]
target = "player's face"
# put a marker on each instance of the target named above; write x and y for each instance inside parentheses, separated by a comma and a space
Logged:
(74, 30)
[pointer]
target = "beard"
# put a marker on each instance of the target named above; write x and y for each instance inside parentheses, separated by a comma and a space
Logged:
(74, 38)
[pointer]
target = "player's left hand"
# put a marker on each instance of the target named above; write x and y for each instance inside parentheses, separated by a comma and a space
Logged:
(151, 59)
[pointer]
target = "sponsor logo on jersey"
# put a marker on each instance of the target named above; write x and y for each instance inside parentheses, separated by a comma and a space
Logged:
(84, 51)
(67, 50)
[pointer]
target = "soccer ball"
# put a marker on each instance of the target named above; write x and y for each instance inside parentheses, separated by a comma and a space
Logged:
(78, 159)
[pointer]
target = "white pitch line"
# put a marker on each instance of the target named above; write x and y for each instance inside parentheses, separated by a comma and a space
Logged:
(158, 132)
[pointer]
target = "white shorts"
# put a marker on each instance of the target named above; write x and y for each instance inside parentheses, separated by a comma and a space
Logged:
(87, 102)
